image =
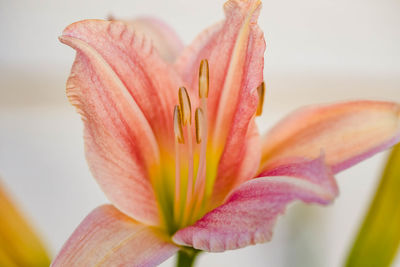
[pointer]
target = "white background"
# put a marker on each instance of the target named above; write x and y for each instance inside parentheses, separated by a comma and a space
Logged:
(317, 51)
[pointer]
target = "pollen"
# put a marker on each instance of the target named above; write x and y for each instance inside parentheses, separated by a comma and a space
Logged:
(185, 106)
(203, 79)
(178, 125)
(199, 121)
(261, 93)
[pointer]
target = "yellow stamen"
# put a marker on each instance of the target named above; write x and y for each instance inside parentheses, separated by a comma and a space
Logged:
(261, 93)
(186, 108)
(178, 125)
(203, 79)
(190, 207)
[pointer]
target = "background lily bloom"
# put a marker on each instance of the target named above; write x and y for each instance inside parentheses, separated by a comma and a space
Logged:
(187, 167)
(19, 244)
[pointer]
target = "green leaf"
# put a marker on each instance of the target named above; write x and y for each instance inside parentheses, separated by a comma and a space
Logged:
(379, 237)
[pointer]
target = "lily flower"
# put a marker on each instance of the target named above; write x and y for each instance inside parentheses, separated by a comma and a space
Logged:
(170, 137)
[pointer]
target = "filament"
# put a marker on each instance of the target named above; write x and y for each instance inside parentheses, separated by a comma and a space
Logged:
(177, 181)
(189, 191)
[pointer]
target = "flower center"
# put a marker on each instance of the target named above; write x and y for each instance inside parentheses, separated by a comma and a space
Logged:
(190, 157)
(185, 199)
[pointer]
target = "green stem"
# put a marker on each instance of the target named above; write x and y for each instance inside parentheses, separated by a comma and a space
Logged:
(186, 257)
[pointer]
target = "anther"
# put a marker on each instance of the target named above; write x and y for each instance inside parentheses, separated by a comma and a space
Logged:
(203, 79)
(178, 125)
(199, 121)
(261, 93)
(185, 106)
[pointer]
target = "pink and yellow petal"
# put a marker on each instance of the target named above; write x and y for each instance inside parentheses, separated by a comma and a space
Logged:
(235, 52)
(249, 214)
(120, 145)
(247, 160)
(239, 99)
(346, 133)
(106, 237)
(148, 79)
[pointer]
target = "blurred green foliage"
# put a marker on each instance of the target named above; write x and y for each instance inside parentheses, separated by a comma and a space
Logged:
(377, 242)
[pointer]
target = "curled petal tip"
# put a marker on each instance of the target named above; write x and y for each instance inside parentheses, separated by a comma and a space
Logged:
(63, 39)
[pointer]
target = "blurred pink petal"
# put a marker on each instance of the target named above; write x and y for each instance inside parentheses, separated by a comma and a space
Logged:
(346, 132)
(106, 237)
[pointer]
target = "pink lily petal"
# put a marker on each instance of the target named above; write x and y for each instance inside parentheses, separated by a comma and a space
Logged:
(249, 214)
(106, 237)
(165, 39)
(150, 81)
(346, 132)
(232, 169)
(189, 60)
(248, 160)
(235, 52)
(120, 145)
